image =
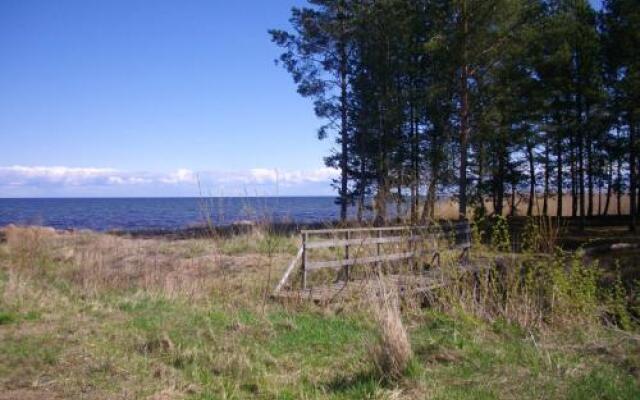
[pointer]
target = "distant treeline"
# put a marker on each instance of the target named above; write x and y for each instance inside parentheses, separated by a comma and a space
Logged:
(487, 98)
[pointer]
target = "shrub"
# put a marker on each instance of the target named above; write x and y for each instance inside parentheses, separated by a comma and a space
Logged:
(540, 234)
(564, 288)
(500, 238)
(477, 230)
(616, 302)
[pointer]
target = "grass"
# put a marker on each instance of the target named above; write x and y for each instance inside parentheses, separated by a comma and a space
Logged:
(94, 316)
(448, 208)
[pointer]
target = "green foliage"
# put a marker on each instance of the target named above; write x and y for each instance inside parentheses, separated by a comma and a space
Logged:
(616, 301)
(540, 234)
(477, 230)
(408, 88)
(500, 237)
(565, 288)
(635, 300)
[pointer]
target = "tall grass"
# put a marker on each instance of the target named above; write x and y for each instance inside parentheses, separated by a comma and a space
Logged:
(190, 318)
(391, 352)
(541, 234)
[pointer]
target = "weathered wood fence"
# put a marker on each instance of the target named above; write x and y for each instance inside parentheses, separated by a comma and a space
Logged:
(409, 241)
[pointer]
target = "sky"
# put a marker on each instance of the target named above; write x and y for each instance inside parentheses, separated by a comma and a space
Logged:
(148, 98)
(152, 98)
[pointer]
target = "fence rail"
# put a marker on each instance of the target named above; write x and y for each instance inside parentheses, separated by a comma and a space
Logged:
(360, 260)
(360, 241)
(366, 238)
(374, 237)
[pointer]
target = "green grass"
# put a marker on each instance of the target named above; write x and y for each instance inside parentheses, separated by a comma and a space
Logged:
(267, 243)
(135, 343)
(604, 383)
(7, 317)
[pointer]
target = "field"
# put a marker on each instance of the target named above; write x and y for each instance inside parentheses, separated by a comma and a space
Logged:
(97, 316)
(448, 208)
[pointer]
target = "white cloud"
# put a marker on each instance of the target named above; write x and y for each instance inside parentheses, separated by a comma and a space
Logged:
(262, 176)
(60, 176)
(19, 174)
(180, 176)
(324, 174)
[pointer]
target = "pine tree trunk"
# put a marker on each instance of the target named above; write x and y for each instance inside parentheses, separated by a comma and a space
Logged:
(415, 166)
(579, 137)
(600, 198)
(609, 189)
(382, 171)
(637, 170)
(581, 187)
(589, 164)
(545, 205)
(499, 199)
(428, 211)
(512, 212)
(362, 188)
(464, 144)
(464, 116)
(344, 131)
(532, 179)
(590, 181)
(481, 205)
(431, 200)
(559, 183)
(399, 201)
(574, 185)
(632, 179)
(619, 187)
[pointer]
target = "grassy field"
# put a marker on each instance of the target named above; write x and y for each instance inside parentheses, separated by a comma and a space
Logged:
(448, 208)
(95, 316)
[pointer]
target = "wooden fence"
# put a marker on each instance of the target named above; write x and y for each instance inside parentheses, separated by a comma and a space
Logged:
(411, 238)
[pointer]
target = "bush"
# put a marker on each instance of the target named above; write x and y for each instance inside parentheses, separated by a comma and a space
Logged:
(540, 234)
(500, 238)
(477, 230)
(562, 288)
(616, 302)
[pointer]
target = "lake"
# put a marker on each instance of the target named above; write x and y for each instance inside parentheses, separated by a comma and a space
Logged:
(104, 214)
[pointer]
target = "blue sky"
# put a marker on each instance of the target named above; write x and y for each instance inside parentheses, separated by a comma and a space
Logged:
(138, 97)
(146, 98)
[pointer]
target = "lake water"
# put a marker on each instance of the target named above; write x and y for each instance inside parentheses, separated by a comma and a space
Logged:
(162, 213)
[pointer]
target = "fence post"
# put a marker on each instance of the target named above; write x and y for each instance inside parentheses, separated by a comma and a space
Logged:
(378, 250)
(346, 256)
(412, 249)
(304, 260)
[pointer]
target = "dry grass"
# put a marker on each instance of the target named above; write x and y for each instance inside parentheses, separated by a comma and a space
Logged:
(392, 351)
(448, 209)
(98, 263)
(86, 315)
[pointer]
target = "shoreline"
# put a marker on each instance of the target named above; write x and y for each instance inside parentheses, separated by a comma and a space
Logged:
(292, 227)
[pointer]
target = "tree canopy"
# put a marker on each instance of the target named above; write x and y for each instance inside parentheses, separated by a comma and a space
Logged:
(485, 100)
